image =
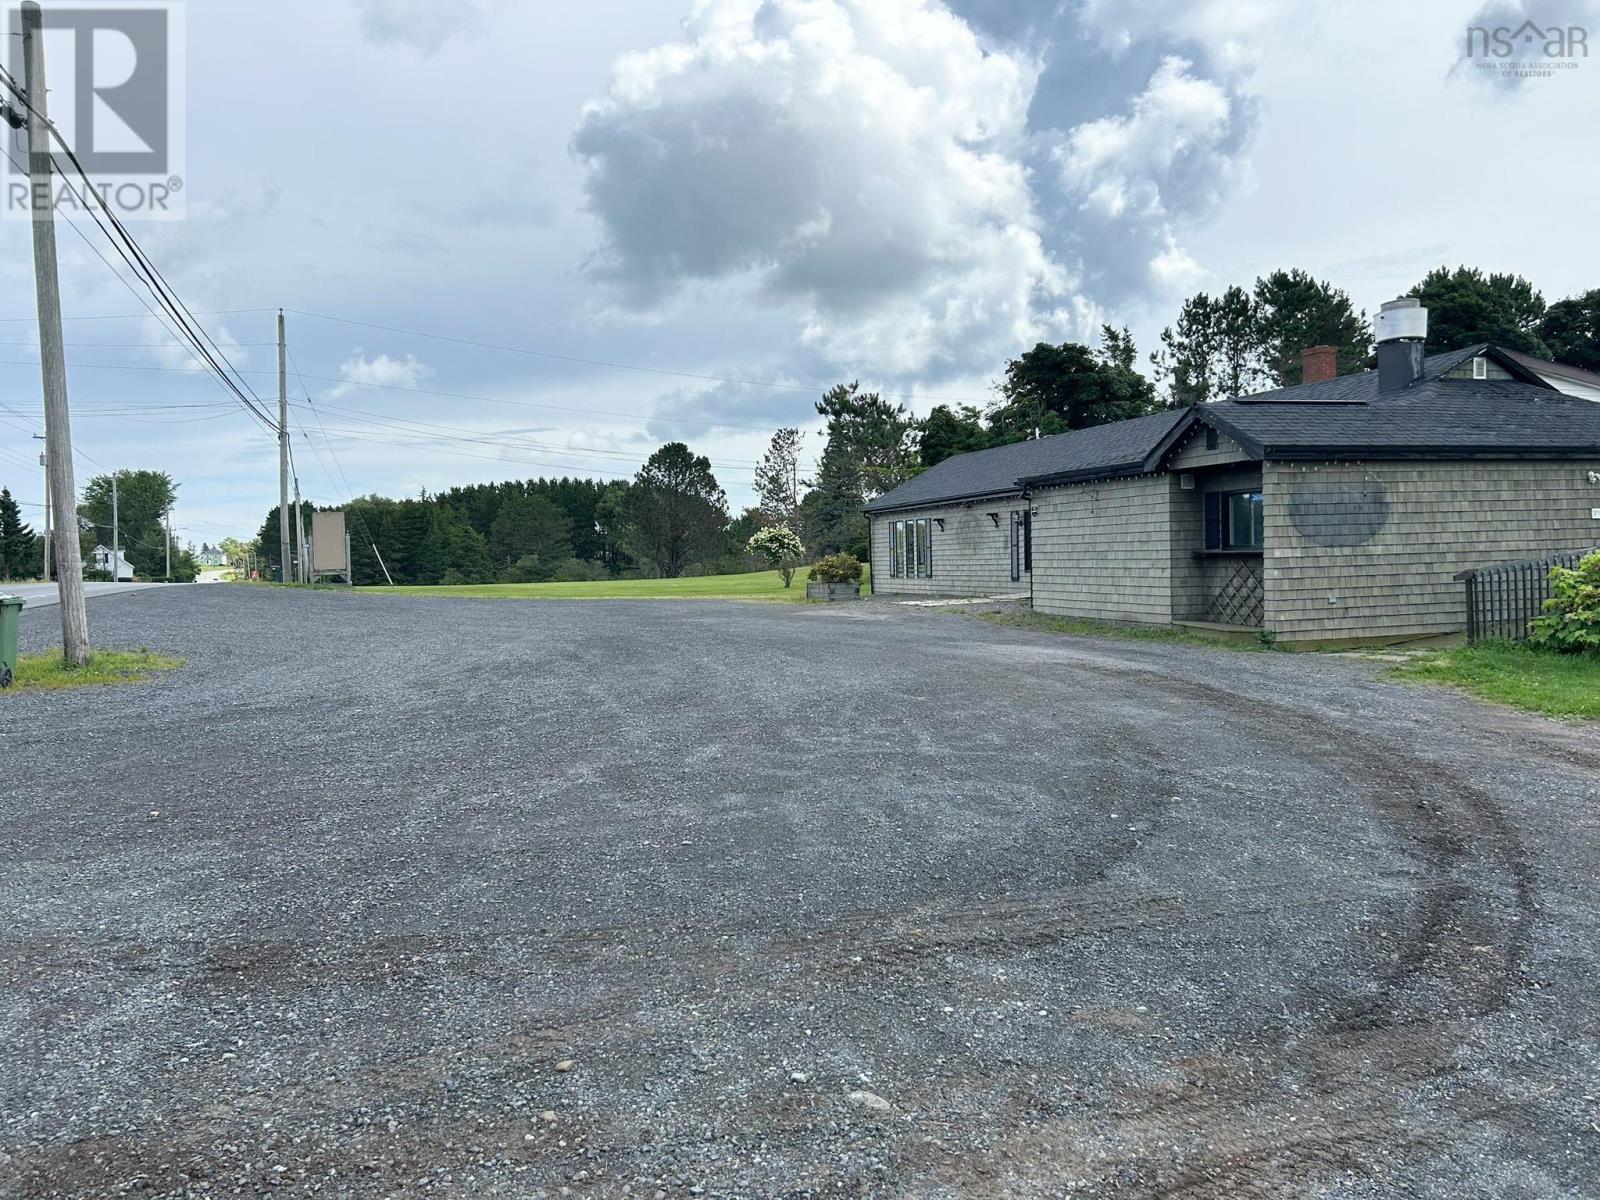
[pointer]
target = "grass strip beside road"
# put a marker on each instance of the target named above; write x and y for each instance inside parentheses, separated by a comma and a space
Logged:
(48, 672)
(1024, 618)
(1509, 673)
(755, 585)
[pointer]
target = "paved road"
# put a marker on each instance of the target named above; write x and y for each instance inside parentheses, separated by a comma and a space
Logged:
(47, 595)
(857, 901)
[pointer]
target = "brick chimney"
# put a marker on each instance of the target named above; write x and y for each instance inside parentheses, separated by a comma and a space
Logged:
(1318, 364)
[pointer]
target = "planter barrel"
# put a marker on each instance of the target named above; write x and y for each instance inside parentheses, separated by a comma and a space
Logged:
(833, 591)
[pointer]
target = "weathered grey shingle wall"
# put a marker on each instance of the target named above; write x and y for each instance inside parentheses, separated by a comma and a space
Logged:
(1104, 549)
(1191, 453)
(1195, 580)
(1369, 549)
(970, 556)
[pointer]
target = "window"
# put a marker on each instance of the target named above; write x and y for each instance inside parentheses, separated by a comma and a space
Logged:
(1246, 521)
(1211, 438)
(1018, 529)
(911, 548)
(1235, 521)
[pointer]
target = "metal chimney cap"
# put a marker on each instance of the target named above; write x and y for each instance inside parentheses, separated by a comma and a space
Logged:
(1403, 319)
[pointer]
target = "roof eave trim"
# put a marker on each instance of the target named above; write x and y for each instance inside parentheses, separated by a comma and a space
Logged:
(1325, 453)
(944, 501)
(1120, 471)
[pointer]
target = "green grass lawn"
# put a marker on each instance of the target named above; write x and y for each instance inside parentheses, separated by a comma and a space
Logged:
(757, 585)
(1560, 685)
(48, 672)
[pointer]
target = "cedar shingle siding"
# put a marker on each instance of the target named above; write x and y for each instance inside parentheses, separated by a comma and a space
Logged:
(970, 556)
(1383, 540)
(1104, 549)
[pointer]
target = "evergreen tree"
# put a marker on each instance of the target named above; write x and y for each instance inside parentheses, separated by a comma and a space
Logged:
(1466, 307)
(778, 479)
(18, 545)
(530, 525)
(676, 511)
(1294, 311)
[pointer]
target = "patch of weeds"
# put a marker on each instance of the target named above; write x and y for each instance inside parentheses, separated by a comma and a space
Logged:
(49, 672)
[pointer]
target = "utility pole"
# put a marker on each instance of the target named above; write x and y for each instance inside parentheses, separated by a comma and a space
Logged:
(303, 573)
(52, 355)
(116, 557)
(45, 463)
(283, 453)
(169, 545)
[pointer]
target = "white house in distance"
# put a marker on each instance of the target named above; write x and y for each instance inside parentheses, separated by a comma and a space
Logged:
(102, 562)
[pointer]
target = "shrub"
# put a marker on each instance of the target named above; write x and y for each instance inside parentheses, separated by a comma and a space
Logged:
(575, 570)
(1571, 623)
(781, 547)
(452, 578)
(837, 568)
(530, 568)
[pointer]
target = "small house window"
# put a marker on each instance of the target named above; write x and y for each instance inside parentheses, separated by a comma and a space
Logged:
(1246, 524)
(1211, 438)
(1480, 367)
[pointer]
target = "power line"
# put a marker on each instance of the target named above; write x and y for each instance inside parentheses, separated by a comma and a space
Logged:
(618, 366)
(144, 269)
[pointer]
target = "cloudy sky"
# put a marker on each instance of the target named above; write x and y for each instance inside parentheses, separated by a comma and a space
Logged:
(681, 219)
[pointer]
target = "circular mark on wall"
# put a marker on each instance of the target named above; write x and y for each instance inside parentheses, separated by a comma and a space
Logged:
(1338, 514)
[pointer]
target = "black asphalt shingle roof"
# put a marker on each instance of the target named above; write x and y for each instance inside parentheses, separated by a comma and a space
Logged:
(1341, 418)
(1103, 450)
(1470, 418)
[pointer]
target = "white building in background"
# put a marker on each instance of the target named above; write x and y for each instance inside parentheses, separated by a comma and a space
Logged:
(101, 561)
(1574, 381)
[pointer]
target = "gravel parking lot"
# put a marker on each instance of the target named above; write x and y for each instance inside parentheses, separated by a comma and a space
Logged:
(401, 896)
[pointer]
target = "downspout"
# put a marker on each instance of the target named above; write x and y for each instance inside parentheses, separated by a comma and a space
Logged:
(1027, 545)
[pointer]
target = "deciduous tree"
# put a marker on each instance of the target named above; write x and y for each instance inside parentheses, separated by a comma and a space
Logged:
(1571, 330)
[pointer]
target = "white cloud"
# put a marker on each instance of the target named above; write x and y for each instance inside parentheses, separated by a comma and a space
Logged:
(1232, 32)
(421, 25)
(1173, 156)
(382, 371)
(857, 159)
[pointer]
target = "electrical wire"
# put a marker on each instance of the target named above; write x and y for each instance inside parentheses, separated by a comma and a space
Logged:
(123, 242)
(618, 366)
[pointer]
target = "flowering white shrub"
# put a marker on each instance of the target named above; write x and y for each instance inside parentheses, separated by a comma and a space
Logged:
(781, 547)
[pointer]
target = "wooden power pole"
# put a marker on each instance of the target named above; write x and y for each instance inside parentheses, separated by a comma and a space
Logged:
(283, 454)
(303, 569)
(52, 356)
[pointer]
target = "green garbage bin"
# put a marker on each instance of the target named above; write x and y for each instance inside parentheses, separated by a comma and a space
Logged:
(10, 610)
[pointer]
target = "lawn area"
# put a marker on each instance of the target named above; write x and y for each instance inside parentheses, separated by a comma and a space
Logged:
(1559, 685)
(49, 672)
(756, 585)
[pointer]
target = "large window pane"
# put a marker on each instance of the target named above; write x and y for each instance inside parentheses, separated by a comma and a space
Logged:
(1246, 519)
(924, 557)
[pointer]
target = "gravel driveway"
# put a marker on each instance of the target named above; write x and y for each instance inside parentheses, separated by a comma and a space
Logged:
(399, 896)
